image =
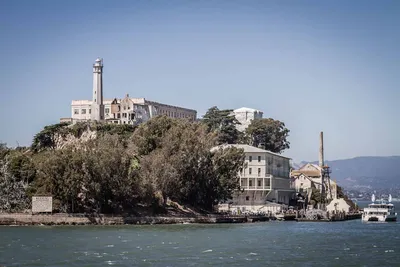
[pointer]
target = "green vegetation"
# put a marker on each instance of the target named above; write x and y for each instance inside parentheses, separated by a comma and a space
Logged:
(270, 134)
(121, 167)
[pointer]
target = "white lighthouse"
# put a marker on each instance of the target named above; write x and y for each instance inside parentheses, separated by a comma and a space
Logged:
(97, 110)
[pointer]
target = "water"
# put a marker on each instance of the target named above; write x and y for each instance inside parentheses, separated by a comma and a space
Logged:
(350, 243)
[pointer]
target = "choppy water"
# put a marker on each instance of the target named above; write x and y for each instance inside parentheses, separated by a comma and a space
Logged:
(350, 243)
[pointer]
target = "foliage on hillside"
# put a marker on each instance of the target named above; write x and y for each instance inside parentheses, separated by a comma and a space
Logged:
(51, 136)
(121, 168)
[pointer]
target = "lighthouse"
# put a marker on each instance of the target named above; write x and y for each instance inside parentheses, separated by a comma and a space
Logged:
(97, 109)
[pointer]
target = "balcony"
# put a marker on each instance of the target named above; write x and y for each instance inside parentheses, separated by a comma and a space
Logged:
(255, 188)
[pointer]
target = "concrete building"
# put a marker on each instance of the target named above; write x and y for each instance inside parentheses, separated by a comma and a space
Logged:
(245, 116)
(125, 110)
(264, 181)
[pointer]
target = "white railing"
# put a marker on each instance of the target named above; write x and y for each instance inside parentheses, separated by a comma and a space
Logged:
(245, 187)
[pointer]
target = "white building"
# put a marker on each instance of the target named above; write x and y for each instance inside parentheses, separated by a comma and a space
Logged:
(245, 116)
(122, 111)
(264, 180)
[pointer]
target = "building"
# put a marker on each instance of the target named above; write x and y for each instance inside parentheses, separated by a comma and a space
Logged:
(245, 116)
(125, 110)
(309, 176)
(264, 181)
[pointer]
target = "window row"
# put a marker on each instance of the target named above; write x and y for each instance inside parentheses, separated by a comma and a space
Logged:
(276, 172)
(251, 158)
(174, 114)
(83, 111)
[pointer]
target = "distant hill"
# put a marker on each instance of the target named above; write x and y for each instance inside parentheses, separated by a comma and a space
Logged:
(370, 172)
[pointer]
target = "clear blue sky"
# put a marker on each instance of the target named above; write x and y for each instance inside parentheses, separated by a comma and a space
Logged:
(331, 66)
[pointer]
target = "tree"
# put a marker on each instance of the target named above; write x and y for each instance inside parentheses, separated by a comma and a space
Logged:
(13, 196)
(98, 177)
(21, 166)
(148, 136)
(46, 139)
(184, 169)
(227, 164)
(3, 150)
(270, 134)
(223, 123)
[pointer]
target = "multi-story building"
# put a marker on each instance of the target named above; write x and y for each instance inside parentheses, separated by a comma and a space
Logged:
(121, 111)
(245, 116)
(264, 179)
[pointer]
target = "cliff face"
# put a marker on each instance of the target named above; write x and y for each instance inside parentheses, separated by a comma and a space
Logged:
(62, 135)
(62, 140)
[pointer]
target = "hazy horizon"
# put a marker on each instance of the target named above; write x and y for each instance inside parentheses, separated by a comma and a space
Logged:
(315, 65)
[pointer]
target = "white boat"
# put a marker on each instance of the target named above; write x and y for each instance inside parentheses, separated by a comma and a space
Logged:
(380, 211)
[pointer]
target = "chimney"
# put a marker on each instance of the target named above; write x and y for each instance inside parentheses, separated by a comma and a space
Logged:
(321, 149)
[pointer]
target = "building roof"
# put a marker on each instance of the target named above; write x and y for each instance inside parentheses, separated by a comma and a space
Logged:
(248, 149)
(244, 109)
(310, 173)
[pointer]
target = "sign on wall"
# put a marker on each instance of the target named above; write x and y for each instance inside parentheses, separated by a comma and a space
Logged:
(42, 204)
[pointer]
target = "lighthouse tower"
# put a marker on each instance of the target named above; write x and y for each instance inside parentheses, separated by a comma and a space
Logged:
(97, 112)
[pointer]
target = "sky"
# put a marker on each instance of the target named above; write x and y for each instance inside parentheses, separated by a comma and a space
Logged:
(330, 66)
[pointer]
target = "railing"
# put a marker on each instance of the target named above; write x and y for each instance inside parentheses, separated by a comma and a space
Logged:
(245, 187)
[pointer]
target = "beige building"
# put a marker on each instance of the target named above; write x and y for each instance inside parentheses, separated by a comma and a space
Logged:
(310, 176)
(263, 180)
(125, 110)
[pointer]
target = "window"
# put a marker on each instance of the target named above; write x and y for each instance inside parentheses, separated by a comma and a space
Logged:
(83, 111)
(107, 110)
(259, 182)
(250, 182)
(259, 171)
(90, 111)
(76, 111)
(247, 198)
(250, 171)
(250, 158)
(259, 158)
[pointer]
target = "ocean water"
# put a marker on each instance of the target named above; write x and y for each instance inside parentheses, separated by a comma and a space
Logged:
(350, 243)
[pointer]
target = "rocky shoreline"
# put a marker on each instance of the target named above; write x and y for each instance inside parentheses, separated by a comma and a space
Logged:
(101, 219)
